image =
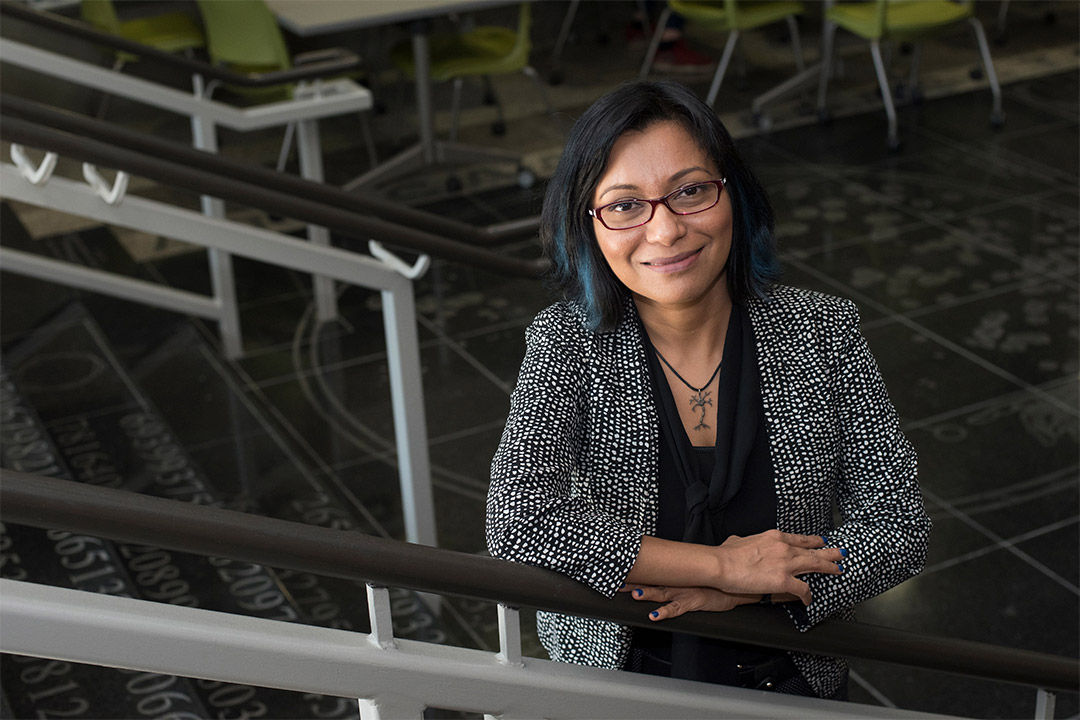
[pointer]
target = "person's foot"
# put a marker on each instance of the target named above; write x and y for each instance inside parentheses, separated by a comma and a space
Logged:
(680, 58)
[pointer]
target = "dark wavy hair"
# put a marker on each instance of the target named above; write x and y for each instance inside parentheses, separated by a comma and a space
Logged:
(579, 270)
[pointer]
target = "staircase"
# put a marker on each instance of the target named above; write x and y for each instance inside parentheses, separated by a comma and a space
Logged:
(99, 391)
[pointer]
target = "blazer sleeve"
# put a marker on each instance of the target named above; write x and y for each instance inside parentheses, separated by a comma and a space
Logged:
(884, 528)
(536, 511)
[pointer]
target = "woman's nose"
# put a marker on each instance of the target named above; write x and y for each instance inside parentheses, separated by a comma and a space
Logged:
(665, 227)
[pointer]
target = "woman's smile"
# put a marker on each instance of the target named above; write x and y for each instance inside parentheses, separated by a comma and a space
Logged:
(674, 263)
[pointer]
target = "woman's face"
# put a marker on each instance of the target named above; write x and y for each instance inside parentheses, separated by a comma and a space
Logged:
(673, 260)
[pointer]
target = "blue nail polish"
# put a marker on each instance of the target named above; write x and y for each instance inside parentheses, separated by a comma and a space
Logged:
(622, 586)
(639, 592)
(843, 552)
(654, 614)
(840, 566)
(824, 539)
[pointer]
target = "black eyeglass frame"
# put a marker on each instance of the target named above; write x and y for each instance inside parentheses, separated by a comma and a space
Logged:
(720, 184)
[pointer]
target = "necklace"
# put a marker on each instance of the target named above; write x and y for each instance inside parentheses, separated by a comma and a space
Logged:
(701, 396)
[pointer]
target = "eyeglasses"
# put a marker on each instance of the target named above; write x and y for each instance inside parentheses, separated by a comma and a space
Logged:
(632, 213)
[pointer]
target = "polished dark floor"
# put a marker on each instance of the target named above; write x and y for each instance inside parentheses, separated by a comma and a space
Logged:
(962, 252)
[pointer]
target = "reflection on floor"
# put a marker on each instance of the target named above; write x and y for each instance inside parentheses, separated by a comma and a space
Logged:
(962, 252)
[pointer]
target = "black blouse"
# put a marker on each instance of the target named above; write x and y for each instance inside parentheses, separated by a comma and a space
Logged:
(707, 494)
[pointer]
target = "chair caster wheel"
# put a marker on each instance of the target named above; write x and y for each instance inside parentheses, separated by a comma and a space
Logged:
(976, 73)
(453, 184)
(526, 178)
(997, 119)
(498, 128)
(894, 144)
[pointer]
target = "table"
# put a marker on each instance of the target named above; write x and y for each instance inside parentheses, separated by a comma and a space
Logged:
(308, 18)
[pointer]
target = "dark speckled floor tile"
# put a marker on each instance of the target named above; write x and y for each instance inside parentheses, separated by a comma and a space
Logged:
(1030, 333)
(926, 378)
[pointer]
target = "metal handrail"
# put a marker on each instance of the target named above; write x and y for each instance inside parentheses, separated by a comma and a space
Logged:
(345, 63)
(15, 106)
(130, 517)
(185, 175)
(404, 215)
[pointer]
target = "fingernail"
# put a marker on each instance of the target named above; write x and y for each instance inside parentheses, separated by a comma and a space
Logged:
(843, 551)
(622, 586)
(840, 566)
(639, 592)
(654, 614)
(824, 539)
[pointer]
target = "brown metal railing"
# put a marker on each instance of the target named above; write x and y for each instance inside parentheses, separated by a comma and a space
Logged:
(130, 517)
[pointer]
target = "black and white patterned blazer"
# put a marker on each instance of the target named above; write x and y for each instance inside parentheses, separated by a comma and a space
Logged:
(574, 480)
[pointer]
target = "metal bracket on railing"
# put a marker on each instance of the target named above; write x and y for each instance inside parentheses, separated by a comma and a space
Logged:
(392, 261)
(111, 195)
(35, 175)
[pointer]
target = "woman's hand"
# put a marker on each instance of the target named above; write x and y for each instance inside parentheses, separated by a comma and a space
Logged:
(770, 561)
(679, 601)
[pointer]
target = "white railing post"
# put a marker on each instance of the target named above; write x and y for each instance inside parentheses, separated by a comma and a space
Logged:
(509, 636)
(410, 423)
(381, 617)
(390, 707)
(1044, 704)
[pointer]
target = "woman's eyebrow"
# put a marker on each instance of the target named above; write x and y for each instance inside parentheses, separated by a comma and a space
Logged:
(674, 178)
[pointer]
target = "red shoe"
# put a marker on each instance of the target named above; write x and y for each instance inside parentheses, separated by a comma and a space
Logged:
(680, 58)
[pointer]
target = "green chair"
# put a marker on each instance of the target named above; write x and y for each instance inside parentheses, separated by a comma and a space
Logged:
(910, 21)
(733, 18)
(170, 32)
(244, 36)
(480, 52)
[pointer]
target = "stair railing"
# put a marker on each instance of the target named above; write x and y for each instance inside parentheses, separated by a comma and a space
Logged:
(398, 678)
(373, 204)
(322, 99)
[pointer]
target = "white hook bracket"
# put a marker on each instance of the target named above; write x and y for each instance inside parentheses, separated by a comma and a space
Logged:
(392, 261)
(111, 195)
(34, 175)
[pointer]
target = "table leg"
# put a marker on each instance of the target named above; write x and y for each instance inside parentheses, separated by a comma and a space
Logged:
(422, 72)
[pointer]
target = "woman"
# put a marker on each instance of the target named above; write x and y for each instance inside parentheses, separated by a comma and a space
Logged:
(682, 426)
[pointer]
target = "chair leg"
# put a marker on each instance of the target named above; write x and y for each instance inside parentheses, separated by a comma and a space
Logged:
(530, 71)
(286, 146)
(913, 73)
(369, 138)
(499, 126)
(826, 65)
(654, 44)
(718, 77)
(997, 116)
(560, 41)
(796, 43)
(886, 94)
(455, 108)
(999, 29)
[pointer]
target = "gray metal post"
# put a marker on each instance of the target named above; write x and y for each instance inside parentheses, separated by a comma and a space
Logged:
(422, 69)
(410, 424)
(1044, 704)
(311, 168)
(204, 137)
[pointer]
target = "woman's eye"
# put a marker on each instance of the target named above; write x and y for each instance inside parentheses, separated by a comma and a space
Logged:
(625, 207)
(691, 191)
